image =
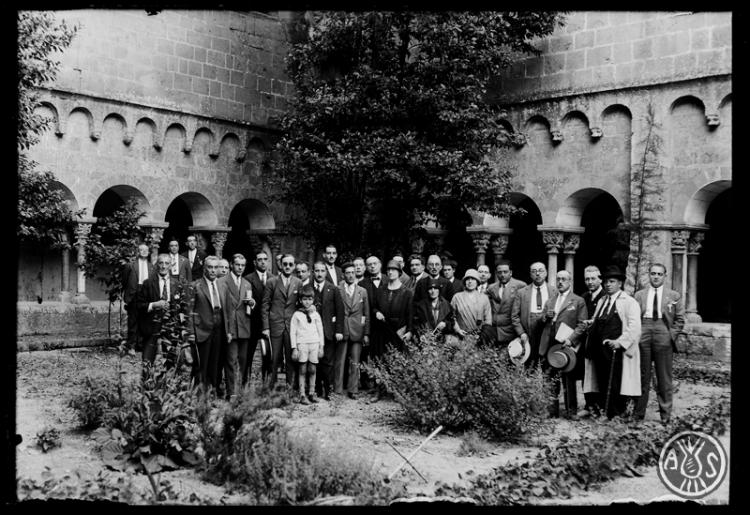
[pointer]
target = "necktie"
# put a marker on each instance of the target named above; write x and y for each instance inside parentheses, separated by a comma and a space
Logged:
(214, 296)
(539, 298)
(320, 288)
(500, 291)
(164, 295)
(263, 279)
(655, 313)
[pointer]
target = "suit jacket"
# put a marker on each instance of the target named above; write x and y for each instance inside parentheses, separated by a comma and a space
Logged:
(130, 279)
(356, 313)
(372, 290)
(424, 318)
(329, 305)
(279, 304)
(236, 320)
(420, 290)
(591, 302)
(148, 292)
(339, 275)
(457, 285)
(412, 281)
(520, 311)
(203, 318)
(185, 274)
(573, 313)
(256, 317)
(502, 307)
(196, 270)
(672, 310)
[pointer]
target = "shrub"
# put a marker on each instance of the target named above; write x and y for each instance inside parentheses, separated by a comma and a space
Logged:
(47, 438)
(463, 386)
(98, 395)
(249, 445)
(472, 444)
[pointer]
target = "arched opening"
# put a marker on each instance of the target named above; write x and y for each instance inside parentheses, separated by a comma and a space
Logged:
(187, 210)
(116, 197)
(604, 241)
(247, 216)
(525, 244)
(714, 305)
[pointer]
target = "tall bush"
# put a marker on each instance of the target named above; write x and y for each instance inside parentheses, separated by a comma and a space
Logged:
(463, 386)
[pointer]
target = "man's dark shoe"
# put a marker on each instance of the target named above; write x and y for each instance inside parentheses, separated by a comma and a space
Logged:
(352, 395)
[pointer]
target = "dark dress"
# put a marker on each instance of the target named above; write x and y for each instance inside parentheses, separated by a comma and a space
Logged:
(397, 308)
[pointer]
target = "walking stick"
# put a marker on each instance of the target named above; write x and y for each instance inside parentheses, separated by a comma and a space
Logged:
(609, 386)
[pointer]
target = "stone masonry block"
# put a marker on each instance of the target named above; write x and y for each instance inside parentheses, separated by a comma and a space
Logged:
(533, 67)
(628, 32)
(603, 37)
(182, 67)
(222, 75)
(227, 91)
(664, 46)
(200, 86)
(721, 37)
(699, 39)
(214, 89)
(277, 87)
(198, 40)
(209, 71)
(237, 78)
(165, 46)
(200, 54)
(264, 85)
(584, 39)
(176, 33)
(598, 56)
(182, 82)
(560, 43)
(215, 58)
(622, 52)
(595, 20)
(220, 44)
(195, 69)
(681, 42)
(184, 50)
(643, 49)
(554, 63)
(710, 61)
(686, 64)
(575, 22)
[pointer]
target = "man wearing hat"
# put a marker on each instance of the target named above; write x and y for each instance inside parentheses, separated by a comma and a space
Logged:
(564, 317)
(501, 294)
(433, 315)
(663, 315)
(613, 365)
(528, 310)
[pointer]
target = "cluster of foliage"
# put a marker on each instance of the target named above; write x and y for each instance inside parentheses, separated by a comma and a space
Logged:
(472, 444)
(460, 385)
(608, 450)
(390, 124)
(48, 438)
(112, 244)
(97, 395)
(103, 487)
(44, 216)
(249, 446)
(715, 374)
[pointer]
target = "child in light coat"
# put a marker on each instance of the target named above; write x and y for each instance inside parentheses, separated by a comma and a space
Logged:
(306, 335)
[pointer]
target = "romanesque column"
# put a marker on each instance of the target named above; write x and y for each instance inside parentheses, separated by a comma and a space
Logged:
(693, 249)
(82, 231)
(481, 240)
(553, 240)
(499, 245)
(417, 244)
(571, 242)
(65, 295)
(679, 244)
(218, 239)
(154, 239)
(274, 242)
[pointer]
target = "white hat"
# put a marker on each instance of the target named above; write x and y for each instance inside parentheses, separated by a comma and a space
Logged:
(518, 351)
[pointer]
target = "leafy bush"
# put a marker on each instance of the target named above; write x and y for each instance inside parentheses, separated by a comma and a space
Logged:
(47, 438)
(98, 395)
(249, 445)
(472, 444)
(463, 386)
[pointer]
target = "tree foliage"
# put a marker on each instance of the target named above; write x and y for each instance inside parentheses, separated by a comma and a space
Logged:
(389, 126)
(43, 214)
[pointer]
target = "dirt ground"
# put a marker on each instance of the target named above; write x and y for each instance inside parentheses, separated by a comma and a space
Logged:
(46, 379)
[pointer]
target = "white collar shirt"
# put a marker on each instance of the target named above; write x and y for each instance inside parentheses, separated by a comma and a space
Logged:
(650, 301)
(545, 297)
(142, 269)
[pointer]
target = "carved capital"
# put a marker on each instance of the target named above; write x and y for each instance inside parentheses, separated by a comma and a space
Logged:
(82, 231)
(571, 242)
(128, 138)
(596, 132)
(553, 240)
(679, 240)
(480, 240)
(274, 241)
(417, 244)
(219, 239)
(518, 139)
(712, 119)
(241, 155)
(557, 136)
(695, 242)
(499, 245)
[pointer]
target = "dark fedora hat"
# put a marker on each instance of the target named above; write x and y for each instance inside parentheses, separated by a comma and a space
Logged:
(562, 358)
(613, 271)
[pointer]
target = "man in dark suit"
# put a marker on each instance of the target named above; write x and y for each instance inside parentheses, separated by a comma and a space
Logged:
(528, 310)
(180, 267)
(433, 314)
(153, 302)
(356, 331)
(434, 265)
(279, 303)
(501, 294)
(258, 279)
(238, 305)
(133, 275)
(333, 273)
(208, 324)
(592, 277)
(374, 280)
(663, 317)
(195, 257)
(416, 271)
(564, 307)
(331, 309)
(449, 272)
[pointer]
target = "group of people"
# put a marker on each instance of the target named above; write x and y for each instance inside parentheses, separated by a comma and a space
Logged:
(332, 318)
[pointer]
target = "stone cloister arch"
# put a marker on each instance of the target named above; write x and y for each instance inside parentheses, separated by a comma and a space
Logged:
(189, 213)
(252, 226)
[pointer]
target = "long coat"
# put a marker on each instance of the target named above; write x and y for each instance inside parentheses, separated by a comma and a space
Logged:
(502, 307)
(356, 313)
(672, 310)
(630, 314)
(236, 320)
(279, 304)
(573, 313)
(202, 309)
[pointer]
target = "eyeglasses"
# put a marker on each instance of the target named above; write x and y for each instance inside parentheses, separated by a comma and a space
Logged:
(538, 270)
(287, 264)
